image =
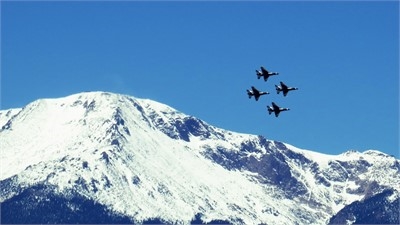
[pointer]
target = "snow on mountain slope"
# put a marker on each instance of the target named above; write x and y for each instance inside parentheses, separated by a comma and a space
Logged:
(147, 160)
(6, 115)
(350, 176)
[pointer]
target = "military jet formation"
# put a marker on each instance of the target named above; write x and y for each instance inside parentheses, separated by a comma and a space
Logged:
(279, 88)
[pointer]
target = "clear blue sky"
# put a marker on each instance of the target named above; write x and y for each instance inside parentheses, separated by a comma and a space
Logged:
(200, 57)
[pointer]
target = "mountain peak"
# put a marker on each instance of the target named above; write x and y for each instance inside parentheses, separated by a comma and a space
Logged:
(140, 159)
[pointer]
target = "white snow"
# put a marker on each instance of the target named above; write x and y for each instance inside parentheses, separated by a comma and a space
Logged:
(320, 158)
(6, 115)
(149, 175)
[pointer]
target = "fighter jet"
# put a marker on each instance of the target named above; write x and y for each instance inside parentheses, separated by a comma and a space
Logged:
(284, 88)
(276, 109)
(265, 73)
(256, 93)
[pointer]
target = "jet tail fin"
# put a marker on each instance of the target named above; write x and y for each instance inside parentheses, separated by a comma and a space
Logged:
(270, 110)
(278, 90)
(259, 74)
(249, 93)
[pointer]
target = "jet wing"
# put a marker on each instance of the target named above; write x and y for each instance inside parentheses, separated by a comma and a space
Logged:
(276, 108)
(255, 91)
(284, 86)
(264, 71)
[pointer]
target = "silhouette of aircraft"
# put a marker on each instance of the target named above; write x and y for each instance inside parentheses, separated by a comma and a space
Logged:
(265, 73)
(256, 93)
(284, 88)
(276, 109)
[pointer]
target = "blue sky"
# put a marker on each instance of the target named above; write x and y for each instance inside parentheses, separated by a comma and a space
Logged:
(200, 57)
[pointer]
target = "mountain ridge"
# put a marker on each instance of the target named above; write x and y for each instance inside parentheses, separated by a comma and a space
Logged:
(106, 146)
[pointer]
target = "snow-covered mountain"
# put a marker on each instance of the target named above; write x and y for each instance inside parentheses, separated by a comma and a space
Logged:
(101, 157)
